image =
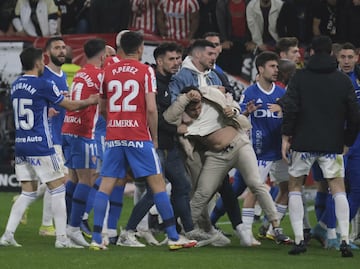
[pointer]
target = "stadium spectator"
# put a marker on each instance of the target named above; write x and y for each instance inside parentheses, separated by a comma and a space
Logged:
(7, 8)
(108, 16)
(231, 19)
(178, 19)
(349, 20)
(261, 16)
(326, 18)
(207, 17)
(143, 15)
(74, 16)
(323, 123)
(287, 23)
(36, 18)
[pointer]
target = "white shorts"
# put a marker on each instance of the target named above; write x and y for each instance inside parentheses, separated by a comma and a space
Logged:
(332, 165)
(278, 170)
(38, 168)
(60, 154)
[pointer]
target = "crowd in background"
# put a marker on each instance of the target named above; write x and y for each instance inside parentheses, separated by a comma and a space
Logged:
(244, 25)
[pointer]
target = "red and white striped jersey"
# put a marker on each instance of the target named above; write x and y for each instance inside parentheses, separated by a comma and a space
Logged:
(111, 60)
(143, 16)
(124, 87)
(86, 81)
(177, 14)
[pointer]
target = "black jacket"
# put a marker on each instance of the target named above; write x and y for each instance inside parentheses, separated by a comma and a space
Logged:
(320, 108)
(166, 132)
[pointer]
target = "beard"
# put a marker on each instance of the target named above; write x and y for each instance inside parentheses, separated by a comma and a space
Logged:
(56, 61)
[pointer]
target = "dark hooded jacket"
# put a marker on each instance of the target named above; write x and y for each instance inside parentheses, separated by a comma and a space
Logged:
(321, 112)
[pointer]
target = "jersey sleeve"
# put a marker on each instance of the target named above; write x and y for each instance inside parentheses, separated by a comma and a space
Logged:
(150, 80)
(52, 92)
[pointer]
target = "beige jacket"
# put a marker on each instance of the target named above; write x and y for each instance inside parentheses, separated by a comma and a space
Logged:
(214, 96)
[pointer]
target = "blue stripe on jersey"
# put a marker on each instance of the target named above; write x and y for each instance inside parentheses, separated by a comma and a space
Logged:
(55, 162)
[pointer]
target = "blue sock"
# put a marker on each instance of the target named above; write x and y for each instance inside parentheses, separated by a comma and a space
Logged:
(330, 217)
(163, 205)
(70, 187)
(91, 197)
(100, 205)
(116, 203)
(274, 190)
(320, 204)
(79, 199)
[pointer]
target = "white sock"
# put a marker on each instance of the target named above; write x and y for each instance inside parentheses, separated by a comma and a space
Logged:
(85, 216)
(17, 210)
(47, 215)
(106, 217)
(281, 211)
(296, 213)
(247, 216)
(342, 213)
(58, 208)
(257, 209)
(331, 233)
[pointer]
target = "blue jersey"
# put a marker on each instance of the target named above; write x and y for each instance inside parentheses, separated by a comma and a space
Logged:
(266, 131)
(356, 83)
(56, 122)
(30, 97)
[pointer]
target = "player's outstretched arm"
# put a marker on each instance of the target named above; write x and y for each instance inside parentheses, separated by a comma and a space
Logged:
(72, 105)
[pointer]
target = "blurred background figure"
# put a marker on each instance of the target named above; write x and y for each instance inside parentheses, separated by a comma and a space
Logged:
(178, 19)
(74, 16)
(36, 18)
(7, 8)
(143, 15)
(109, 16)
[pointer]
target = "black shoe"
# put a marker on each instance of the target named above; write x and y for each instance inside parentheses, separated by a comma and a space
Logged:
(345, 250)
(280, 237)
(307, 236)
(113, 240)
(298, 248)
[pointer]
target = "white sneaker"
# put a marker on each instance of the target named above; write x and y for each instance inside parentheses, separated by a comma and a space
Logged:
(254, 241)
(182, 242)
(96, 246)
(8, 240)
(148, 236)
(76, 236)
(64, 242)
(220, 239)
(202, 238)
(128, 239)
(245, 235)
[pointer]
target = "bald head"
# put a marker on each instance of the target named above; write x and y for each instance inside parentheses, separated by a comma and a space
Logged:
(109, 51)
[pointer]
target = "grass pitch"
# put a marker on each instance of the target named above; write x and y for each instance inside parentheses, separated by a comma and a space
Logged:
(39, 252)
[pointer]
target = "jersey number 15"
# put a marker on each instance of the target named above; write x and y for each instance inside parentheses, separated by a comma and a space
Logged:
(24, 117)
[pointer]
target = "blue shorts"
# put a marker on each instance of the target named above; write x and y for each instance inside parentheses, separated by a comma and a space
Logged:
(79, 152)
(140, 156)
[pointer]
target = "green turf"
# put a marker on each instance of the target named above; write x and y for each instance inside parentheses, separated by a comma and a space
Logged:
(39, 252)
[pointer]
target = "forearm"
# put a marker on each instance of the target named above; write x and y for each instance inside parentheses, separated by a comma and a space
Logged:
(152, 118)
